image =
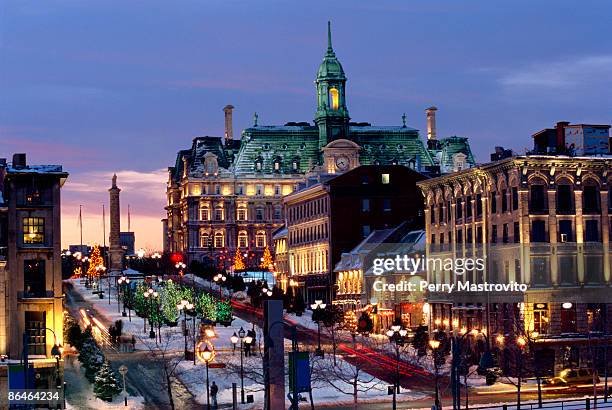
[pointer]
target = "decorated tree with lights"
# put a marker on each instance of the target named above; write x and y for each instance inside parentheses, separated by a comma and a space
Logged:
(206, 306)
(224, 312)
(239, 261)
(266, 261)
(95, 261)
(139, 302)
(349, 321)
(170, 297)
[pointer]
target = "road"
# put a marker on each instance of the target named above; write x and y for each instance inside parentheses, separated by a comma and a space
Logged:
(145, 376)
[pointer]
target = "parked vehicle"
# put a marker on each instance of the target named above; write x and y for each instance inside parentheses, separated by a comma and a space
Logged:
(573, 376)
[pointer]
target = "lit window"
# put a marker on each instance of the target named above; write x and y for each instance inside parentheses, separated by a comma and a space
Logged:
(33, 230)
(242, 214)
(295, 165)
(385, 178)
(219, 240)
(219, 214)
(204, 239)
(258, 165)
(277, 165)
(260, 239)
(334, 97)
(243, 239)
(204, 213)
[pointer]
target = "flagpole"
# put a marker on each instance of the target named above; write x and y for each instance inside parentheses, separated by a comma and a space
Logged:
(81, 225)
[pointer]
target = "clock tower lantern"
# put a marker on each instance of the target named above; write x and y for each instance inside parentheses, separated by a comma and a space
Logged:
(332, 116)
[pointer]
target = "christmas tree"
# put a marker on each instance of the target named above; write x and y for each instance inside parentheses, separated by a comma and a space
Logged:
(224, 312)
(350, 321)
(90, 355)
(239, 261)
(206, 306)
(95, 262)
(106, 385)
(170, 297)
(267, 262)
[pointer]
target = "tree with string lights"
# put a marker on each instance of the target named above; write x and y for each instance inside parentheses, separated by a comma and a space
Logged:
(266, 261)
(239, 261)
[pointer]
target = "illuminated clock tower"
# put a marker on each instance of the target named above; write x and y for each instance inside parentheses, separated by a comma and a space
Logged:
(332, 116)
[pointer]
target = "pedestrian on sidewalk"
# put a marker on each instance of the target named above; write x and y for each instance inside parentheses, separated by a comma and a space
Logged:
(214, 389)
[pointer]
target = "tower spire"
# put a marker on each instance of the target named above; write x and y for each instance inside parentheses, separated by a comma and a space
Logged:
(329, 38)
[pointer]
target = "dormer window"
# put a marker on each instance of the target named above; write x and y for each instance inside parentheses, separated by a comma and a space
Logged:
(277, 165)
(258, 164)
(295, 165)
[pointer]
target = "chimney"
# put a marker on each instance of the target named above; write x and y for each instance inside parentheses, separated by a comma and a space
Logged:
(561, 136)
(229, 129)
(19, 161)
(431, 123)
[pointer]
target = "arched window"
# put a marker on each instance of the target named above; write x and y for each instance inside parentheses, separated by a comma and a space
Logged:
(219, 239)
(243, 239)
(334, 99)
(204, 239)
(277, 165)
(260, 239)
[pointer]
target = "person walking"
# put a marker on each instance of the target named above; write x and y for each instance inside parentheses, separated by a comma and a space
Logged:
(214, 389)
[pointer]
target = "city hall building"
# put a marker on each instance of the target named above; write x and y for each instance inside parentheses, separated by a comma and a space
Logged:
(225, 194)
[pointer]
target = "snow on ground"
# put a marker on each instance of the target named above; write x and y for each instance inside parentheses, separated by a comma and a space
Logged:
(80, 391)
(193, 376)
(172, 337)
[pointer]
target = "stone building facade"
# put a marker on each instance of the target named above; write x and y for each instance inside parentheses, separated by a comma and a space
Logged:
(538, 220)
(31, 302)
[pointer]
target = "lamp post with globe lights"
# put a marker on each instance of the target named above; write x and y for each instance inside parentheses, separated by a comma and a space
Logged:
(317, 312)
(152, 296)
(156, 258)
(184, 306)
(397, 335)
(180, 266)
(207, 355)
(219, 279)
(244, 339)
(435, 345)
(123, 282)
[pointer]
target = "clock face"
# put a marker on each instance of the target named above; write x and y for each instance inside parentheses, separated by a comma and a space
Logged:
(342, 163)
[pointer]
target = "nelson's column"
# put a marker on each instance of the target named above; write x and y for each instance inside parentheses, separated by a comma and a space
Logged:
(115, 251)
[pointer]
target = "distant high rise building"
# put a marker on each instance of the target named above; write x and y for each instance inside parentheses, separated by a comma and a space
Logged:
(127, 241)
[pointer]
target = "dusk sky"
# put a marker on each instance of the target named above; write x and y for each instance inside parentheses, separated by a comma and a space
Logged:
(120, 86)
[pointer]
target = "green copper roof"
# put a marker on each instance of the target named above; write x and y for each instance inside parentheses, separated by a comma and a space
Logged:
(330, 68)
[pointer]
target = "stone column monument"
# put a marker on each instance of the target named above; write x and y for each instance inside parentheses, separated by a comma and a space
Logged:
(115, 251)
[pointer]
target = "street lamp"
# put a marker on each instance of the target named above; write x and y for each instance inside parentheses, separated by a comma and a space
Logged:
(180, 266)
(152, 296)
(397, 335)
(184, 306)
(435, 344)
(123, 370)
(207, 355)
(140, 253)
(243, 339)
(157, 257)
(317, 311)
(220, 278)
(123, 282)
